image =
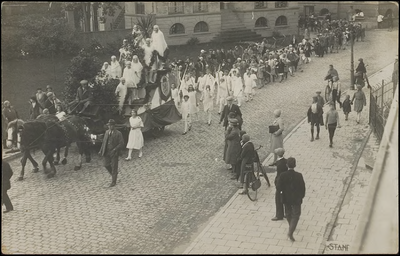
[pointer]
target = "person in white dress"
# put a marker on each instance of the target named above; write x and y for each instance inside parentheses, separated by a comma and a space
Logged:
(224, 88)
(105, 69)
(185, 110)
(121, 92)
(148, 53)
(135, 139)
(186, 82)
(207, 97)
(123, 53)
(129, 75)
(137, 75)
(159, 44)
(175, 95)
(194, 109)
(237, 87)
(250, 80)
(115, 68)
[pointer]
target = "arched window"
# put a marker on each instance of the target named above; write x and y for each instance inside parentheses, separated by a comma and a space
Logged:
(201, 27)
(177, 28)
(281, 21)
(261, 22)
(323, 12)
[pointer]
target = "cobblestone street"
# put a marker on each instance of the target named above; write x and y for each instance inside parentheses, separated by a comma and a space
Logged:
(163, 200)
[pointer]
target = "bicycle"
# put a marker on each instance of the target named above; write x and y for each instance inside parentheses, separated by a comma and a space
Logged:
(252, 176)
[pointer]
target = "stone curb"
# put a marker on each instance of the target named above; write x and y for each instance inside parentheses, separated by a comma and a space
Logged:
(338, 207)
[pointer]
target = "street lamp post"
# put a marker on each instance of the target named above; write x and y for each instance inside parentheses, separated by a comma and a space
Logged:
(351, 60)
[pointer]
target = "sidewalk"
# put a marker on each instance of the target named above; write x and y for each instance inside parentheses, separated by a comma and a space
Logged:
(242, 226)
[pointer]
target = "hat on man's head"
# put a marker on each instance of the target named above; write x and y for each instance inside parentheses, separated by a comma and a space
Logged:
(360, 59)
(318, 92)
(202, 51)
(186, 96)
(279, 151)
(229, 98)
(111, 122)
(49, 94)
(84, 82)
(245, 137)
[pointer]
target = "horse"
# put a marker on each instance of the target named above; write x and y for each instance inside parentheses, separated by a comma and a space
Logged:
(50, 135)
(13, 130)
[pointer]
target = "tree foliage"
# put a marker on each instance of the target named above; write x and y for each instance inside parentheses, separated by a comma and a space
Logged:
(38, 35)
(146, 24)
(86, 66)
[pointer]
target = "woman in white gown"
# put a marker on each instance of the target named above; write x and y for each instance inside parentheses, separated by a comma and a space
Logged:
(148, 53)
(121, 92)
(135, 139)
(137, 70)
(115, 68)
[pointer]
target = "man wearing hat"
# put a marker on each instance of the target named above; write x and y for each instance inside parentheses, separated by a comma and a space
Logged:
(247, 155)
(281, 167)
(113, 142)
(51, 103)
(84, 98)
(229, 108)
(320, 99)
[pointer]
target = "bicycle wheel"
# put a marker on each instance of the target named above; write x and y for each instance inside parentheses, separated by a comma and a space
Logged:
(252, 194)
(327, 93)
(264, 173)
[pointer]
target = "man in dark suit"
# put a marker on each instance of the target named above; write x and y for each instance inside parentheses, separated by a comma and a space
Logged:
(293, 189)
(247, 158)
(230, 107)
(84, 98)
(6, 174)
(113, 142)
(281, 167)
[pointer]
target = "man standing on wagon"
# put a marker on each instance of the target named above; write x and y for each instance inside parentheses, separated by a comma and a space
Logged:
(159, 44)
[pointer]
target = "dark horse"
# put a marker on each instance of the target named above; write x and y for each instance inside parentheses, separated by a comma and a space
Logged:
(13, 130)
(50, 135)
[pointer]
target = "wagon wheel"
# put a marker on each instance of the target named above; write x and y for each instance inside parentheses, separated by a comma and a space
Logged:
(165, 87)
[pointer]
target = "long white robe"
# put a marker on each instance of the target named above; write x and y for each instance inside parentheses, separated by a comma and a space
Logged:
(159, 42)
(137, 70)
(148, 52)
(129, 75)
(115, 69)
(121, 92)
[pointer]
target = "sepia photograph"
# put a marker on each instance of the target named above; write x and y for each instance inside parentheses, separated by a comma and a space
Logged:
(200, 127)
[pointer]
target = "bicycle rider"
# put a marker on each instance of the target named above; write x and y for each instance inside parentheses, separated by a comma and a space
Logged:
(331, 73)
(247, 158)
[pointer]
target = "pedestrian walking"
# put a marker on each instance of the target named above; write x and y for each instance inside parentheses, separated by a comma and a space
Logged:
(276, 136)
(292, 188)
(113, 142)
(332, 121)
(247, 155)
(6, 174)
(207, 97)
(135, 139)
(336, 91)
(320, 99)
(230, 107)
(315, 117)
(347, 107)
(233, 147)
(186, 116)
(359, 101)
(281, 167)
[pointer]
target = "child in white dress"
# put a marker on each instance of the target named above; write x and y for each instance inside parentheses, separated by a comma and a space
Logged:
(185, 110)
(194, 109)
(207, 97)
(175, 95)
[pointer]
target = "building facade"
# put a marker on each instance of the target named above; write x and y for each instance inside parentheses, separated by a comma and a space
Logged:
(180, 21)
(341, 9)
